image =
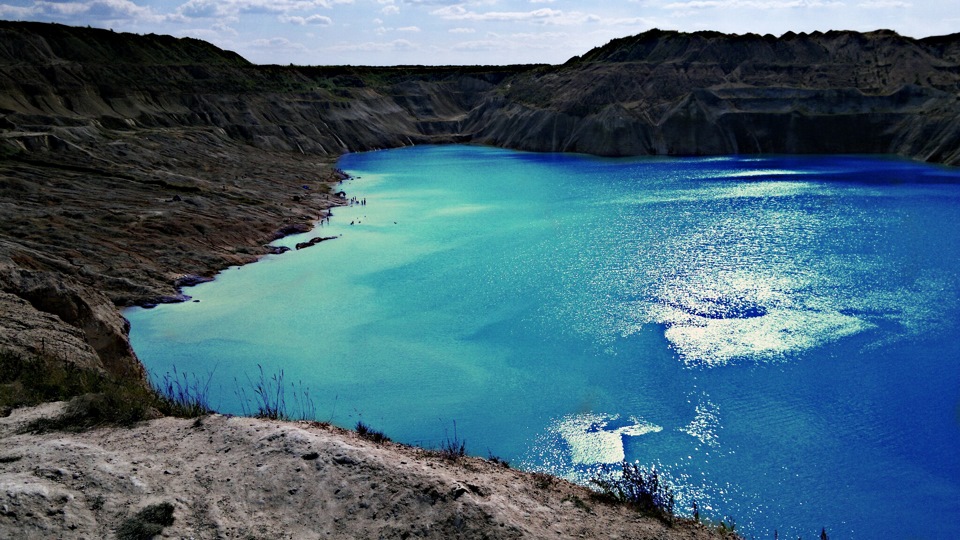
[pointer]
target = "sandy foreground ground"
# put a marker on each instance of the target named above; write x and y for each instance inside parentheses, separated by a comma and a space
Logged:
(236, 477)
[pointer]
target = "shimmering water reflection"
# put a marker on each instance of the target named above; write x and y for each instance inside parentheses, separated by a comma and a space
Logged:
(778, 334)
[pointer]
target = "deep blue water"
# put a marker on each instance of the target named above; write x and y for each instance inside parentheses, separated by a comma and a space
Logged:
(778, 334)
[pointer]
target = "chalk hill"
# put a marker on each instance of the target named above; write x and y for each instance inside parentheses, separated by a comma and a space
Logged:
(709, 93)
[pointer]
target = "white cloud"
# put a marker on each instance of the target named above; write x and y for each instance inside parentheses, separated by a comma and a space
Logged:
(224, 29)
(381, 30)
(750, 4)
(277, 44)
(195, 9)
(101, 11)
(480, 45)
(885, 4)
(375, 46)
(542, 36)
(630, 21)
(432, 2)
(514, 30)
(200, 9)
(313, 20)
(538, 16)
(15, 12)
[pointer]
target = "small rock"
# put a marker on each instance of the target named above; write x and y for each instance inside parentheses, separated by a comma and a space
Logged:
(277, 250)
(313, 241)
(344, 460)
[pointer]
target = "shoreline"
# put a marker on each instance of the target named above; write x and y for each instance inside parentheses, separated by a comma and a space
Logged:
(282, 232)
(92, 482)
(160, 211)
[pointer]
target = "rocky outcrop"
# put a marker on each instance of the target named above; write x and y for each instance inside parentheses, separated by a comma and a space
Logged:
(708, 93)
(56, 317)
(39, 334)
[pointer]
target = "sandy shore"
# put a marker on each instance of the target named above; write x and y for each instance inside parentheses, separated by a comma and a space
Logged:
(236, 477)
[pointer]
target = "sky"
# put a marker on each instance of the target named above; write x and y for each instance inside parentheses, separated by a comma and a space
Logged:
(471, 32)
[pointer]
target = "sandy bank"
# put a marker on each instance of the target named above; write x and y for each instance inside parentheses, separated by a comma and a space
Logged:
(234, 477)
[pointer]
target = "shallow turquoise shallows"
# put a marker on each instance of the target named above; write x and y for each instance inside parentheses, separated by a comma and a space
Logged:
(778, 334)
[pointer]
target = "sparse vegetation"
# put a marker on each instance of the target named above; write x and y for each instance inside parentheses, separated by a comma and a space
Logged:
(579, 503)
(270, 398)
(497, 460)
(28, 381)
(453, 448)
(727, 526)
(543, 480)
(179, 396)
(95, 399)
(366, 432)
(640, 487)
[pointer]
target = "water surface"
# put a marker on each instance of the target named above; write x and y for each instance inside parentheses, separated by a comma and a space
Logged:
(779, 334)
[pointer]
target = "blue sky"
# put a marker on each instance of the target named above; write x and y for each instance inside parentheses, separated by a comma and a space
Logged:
(432, 32)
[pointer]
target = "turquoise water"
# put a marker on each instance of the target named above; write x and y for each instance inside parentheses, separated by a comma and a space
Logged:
(778, 334)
